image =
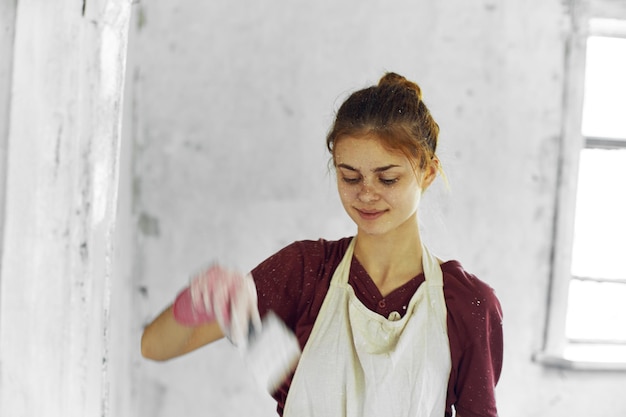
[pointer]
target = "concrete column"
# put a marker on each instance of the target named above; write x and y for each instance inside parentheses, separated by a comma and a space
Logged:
(61, 191)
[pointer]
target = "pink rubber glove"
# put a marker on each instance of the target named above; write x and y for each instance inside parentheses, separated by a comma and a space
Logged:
(222, 295)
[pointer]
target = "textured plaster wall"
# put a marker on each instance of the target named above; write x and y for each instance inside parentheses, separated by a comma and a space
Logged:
(61, 129)
(227, 108)
(7, 29)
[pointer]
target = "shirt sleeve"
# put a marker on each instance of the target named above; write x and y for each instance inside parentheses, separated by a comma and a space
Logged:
(476, 322)
(279, 285)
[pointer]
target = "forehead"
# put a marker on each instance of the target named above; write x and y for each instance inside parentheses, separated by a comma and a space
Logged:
(367, 152)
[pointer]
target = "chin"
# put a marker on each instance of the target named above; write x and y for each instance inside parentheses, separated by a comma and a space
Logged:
(381, 229)
(373, 230)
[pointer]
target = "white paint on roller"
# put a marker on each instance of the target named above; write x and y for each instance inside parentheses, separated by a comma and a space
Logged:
(272, 353)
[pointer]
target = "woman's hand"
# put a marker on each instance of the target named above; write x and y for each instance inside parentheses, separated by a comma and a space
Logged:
(216, 303)
(227, 297)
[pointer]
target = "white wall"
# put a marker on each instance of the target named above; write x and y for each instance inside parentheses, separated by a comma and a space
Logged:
(67, 64)
(222, 157)
(225, 134)
(7, 28)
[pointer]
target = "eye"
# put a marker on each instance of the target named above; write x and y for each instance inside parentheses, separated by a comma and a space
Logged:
(351, 180)
(388, 181)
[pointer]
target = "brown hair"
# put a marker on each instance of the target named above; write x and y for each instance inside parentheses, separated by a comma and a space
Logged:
(394, 111)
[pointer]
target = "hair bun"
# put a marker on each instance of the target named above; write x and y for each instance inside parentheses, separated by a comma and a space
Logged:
(393, 79)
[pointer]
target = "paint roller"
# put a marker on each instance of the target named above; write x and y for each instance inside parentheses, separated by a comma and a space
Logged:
(271, 353)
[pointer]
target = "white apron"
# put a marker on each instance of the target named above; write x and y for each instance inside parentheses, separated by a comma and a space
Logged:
(357, 363)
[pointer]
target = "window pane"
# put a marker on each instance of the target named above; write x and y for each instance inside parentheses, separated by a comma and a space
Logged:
(596, 311)
(600, 227)
(604, 110)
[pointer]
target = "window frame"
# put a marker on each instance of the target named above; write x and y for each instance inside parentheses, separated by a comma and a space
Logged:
(587, 21)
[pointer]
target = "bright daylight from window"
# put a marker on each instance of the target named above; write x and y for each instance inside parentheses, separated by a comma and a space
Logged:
(596, 319)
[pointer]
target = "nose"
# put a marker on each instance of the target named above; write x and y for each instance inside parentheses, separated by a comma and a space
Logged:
(367, 193)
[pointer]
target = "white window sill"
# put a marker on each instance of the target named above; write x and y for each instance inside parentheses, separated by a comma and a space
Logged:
(562, 362)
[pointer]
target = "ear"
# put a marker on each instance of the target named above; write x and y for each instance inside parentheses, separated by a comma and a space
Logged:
(430, 173)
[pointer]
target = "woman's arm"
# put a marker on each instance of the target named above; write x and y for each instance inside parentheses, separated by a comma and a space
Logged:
(217, 302)
(165, 338)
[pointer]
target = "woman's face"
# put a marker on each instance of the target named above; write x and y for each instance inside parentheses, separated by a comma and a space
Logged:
(379, 189)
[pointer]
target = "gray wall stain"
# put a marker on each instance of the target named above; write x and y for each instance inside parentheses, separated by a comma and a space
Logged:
(148, 225)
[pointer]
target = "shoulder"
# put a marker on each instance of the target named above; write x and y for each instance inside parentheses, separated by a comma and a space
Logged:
(310, 251)
(322, 247)
(465, 290)
(291, 279)
(471, 303)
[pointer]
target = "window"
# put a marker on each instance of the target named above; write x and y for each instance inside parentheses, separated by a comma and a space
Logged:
(586, 327)
(596, 309)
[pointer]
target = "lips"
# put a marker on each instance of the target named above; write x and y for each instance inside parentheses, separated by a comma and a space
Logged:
(370, 214)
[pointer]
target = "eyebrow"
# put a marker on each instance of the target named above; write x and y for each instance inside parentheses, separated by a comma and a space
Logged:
(379, 169)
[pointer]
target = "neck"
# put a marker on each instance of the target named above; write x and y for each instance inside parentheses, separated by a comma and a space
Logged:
(391, 259)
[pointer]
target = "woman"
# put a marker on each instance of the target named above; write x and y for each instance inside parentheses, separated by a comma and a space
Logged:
(386, 328)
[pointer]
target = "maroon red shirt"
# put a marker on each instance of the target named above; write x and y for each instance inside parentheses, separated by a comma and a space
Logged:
(294, 281)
